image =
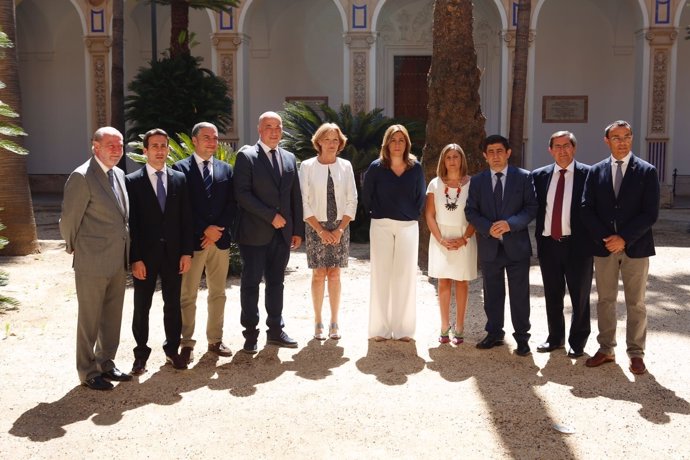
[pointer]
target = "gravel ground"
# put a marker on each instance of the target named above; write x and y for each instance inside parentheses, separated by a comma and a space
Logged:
(352, 398)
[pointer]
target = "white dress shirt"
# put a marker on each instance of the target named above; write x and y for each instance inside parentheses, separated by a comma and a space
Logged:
(567, 199)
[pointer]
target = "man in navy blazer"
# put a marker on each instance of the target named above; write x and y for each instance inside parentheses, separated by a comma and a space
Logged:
(619, 206)
(269, 225)
(209, 181)
(160, 225)
(563, 244)
(500, 204)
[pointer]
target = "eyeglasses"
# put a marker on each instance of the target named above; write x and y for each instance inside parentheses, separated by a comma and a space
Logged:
(618, 140)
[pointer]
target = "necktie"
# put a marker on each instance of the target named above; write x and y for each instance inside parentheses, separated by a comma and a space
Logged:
(619, 178)
(556, 229)
(498, 192)
(274, 162)
(160, 190)
(113, 185)
(208, 180)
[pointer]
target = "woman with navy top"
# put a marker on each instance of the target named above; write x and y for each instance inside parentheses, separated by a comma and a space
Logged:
(393, 193)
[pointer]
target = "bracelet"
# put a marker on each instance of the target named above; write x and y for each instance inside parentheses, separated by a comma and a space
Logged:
(341, 230)
(319, 233)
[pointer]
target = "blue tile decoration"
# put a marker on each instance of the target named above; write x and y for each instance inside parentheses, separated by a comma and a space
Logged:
(97, 21)
(662, 12)
(515, 13)
(359, 17)
(227, 20)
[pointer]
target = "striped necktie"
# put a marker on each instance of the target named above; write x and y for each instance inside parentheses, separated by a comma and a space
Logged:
(208, 180)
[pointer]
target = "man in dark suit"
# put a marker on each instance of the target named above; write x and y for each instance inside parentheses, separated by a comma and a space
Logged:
(270, 225)
(563, 244)
(209, 181)
(94, 225)
(500, 204)
(619, 207)
(160, 224)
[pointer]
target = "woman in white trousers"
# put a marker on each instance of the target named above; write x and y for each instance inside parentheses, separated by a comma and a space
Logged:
(393, 193)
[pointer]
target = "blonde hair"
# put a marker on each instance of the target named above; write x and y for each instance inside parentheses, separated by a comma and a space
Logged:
(441, 170)
(385, 155)
(325, 129)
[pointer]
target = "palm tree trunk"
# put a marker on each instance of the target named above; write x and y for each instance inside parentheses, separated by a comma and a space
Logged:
(455, 113)
(117, 91)
(517, 106)
(15, 195)
(179, 28)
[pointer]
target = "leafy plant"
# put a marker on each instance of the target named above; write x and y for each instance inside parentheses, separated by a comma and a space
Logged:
(181, 150)
(6, 303)
(9, 129)
(364, 132)
(174, 94)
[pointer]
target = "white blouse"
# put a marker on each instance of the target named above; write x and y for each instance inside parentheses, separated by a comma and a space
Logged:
(313, 180)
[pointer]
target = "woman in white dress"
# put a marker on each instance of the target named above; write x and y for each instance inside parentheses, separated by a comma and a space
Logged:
(452, 250)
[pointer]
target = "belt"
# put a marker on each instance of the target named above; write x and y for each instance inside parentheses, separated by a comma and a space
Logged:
(563, 239)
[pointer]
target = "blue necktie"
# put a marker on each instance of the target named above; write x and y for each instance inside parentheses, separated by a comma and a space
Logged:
(208, 180)
(618, 180)
(160, 190)
(498, 192)
(274, 162)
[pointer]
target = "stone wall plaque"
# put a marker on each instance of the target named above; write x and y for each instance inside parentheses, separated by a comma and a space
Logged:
(564, 109)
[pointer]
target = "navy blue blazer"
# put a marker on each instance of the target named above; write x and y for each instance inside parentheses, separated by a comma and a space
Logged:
(631, 215)
(518, 208)
(579, 236)
(218, 210)
(260, 196)
(148, 225)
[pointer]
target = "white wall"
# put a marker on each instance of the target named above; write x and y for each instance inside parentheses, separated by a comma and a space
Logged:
(584, 48)
(295, 49)
(53, 81)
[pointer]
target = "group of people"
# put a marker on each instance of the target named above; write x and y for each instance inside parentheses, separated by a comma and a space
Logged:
(589, 219)
(177, 224)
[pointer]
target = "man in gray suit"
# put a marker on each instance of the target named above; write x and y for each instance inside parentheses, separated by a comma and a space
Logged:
(94, 225)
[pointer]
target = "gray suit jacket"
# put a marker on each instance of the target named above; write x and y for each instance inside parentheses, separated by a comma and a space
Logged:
(93, 225)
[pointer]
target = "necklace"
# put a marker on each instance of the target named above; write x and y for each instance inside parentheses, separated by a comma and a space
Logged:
(452, 205)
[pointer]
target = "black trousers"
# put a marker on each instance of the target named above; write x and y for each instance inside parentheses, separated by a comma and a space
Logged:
(565, 264)
(171, 282)
(268, 262)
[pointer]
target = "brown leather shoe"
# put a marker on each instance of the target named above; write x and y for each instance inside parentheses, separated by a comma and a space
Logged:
(186, 354)
(599, 358)
(139, 366)
(637, 366)
(220, 349)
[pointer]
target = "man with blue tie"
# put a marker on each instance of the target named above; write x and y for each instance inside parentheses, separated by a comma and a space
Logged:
(213, 212)
(501, 203)
(270, 224)
(563, 245)
(160, 223)
(619, 207)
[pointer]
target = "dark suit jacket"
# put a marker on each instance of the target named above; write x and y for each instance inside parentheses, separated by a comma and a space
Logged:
(149, 225)
(518, 208)
(93, 225)
(579, 238)
(260, 196)
(631, 215)
(218, 210)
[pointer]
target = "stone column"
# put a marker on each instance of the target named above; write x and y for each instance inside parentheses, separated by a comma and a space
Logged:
(98, 63)
(225, 48)
(661, 42)
(360, 75)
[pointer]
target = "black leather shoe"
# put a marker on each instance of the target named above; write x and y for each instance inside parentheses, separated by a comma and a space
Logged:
(98, 383)
(116, 375)
(139, 366)
(177, 361)
(522, 349)
(282, 340)
(250, 347)
(548, 347)
(575, 353)
(490, 341)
